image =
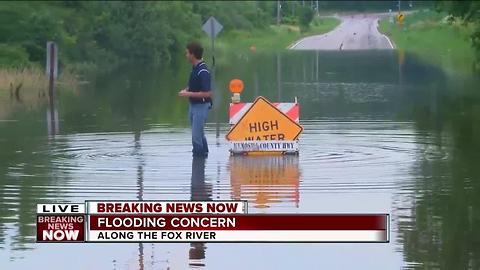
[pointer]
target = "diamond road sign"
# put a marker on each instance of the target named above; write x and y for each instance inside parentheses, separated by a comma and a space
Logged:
(264, 122)
(400, 17)
(212, 27)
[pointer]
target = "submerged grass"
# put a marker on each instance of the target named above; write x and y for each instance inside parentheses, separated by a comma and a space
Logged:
(31, 79)
(28, 88)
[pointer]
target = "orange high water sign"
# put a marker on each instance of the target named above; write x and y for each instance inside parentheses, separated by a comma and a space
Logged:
(264, 127)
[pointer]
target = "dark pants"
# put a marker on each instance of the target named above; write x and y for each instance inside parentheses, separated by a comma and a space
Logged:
(198, 116)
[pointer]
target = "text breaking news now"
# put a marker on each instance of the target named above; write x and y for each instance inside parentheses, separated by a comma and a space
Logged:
(187, 221)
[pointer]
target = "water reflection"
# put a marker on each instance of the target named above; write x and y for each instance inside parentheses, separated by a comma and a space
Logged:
(200, 191)
(265, 180)
(26, 173)
(52, 121)
(141, 162)
(439, 229)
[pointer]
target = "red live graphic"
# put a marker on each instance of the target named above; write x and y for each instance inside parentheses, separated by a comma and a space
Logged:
(60, 228)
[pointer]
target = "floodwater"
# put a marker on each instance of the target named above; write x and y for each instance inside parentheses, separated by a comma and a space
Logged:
(382, 134)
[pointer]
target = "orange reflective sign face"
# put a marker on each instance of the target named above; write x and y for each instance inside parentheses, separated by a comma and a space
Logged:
(264, 122)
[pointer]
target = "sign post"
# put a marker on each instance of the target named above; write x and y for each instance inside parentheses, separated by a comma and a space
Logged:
(212, 27)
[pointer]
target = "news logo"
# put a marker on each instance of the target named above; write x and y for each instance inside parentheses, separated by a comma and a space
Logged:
(187, 221)
(61, 223)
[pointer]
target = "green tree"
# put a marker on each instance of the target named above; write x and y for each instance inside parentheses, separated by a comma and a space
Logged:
(306, 17)
(109, 33)
(469, 12)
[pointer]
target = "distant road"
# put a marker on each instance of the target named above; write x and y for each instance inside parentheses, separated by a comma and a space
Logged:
(356, 32)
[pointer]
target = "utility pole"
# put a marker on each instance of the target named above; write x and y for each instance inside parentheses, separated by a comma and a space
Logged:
(278, 12)
(279, 77)
(52, 72)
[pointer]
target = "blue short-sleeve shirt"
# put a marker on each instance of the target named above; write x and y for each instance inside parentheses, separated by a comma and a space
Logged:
(200, 81)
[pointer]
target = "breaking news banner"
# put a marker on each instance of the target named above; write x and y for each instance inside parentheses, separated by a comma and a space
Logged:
(188, 221)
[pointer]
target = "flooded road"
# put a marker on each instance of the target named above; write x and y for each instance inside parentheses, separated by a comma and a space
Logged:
(356, 32)
(379, 137)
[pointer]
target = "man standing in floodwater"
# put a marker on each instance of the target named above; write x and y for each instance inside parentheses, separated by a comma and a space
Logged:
(200, 97)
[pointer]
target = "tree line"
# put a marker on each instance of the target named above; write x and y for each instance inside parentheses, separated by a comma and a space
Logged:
(468, 12)
(107, 33)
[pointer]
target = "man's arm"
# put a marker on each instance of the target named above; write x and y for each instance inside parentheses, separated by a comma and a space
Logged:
(201, 94)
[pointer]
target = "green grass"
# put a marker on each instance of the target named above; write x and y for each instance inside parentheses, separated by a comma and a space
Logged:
(433, 39)
(272, 39)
